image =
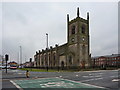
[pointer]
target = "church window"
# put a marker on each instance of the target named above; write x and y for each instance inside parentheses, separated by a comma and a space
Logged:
(83, 29)
(42, 60)
(73, 29)
(83, 49)
(46, 59)
(49, 60)
(54, 58)
(70, 60)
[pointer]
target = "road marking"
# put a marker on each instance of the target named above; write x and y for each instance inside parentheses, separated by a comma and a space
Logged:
(116, 80)
(85, 76)
(16, 85)
(85, 83)
(55, 82)
(91, 79)
(76, 75)
(60, 76)
(92, 76)
(5, 79)
(52, 84)
(113, 76)
(14, 70)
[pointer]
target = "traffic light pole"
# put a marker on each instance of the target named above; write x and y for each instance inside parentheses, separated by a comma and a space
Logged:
(6, 59)
(6, 66)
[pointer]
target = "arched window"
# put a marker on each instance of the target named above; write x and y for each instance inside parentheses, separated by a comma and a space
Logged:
(49, 60)
(42, 60)
(73, 29)
(70, 60)
(83, 49)
(83, 29)
(54, 59)
(62, 65)
(45, 59)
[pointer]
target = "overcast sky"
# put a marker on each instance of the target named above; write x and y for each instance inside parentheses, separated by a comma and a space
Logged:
(25, 24)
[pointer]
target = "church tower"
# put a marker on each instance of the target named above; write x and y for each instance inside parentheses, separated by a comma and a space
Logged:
(78, 41)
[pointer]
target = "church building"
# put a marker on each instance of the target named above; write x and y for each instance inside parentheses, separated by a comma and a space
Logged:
(74, 53)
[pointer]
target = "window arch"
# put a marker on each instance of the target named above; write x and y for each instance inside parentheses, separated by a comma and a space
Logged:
(49, 60)
(42, 59)
(83, 49)
(54, 59)
(62, 64)
(70, 60)
(45, 59)
(83, 29)
(73, 29)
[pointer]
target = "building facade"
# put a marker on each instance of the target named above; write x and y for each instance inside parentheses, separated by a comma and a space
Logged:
(107, 61)
(74, 53)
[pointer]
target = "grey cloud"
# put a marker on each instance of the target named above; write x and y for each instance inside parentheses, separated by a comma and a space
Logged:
(25, 24)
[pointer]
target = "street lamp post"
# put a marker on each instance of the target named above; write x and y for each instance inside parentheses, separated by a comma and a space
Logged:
(47, 49)
(21, 55)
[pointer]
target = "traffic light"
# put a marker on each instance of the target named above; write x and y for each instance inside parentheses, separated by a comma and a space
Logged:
(6, 57)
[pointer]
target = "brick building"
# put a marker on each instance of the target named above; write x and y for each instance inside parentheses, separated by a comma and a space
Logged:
(74, 53)
(107, 60)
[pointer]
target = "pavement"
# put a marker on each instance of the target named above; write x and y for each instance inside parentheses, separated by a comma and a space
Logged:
(105, 79)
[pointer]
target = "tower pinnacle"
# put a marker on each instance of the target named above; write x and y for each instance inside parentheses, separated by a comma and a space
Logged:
(87, 15)
(78, 12)
(68, 17)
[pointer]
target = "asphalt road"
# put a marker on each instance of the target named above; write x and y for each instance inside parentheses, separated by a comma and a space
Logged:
(109, 79)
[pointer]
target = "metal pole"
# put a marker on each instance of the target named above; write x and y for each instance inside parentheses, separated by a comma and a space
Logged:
(6, 59)
(18, 58)
(21, 55)
(47, 49)
(6, 66)
(46, 40)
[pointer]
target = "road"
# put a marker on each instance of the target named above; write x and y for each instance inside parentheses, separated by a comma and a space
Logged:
(102, 78)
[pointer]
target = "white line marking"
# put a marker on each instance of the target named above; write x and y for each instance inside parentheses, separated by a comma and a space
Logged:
(93, 85)
(76, 75)
(84, 83)
(60, 76)
(116, 80)
(91, 79)
(113, 76)
(16, 85)
(5, 79)
(92, 76)
(85, 76)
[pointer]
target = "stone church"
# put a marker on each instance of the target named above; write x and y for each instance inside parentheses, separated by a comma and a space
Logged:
(74, 53)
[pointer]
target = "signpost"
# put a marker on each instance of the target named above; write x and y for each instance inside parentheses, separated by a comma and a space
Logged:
(6, 59)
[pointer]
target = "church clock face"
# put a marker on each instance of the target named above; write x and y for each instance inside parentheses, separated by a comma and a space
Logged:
(83, 39)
